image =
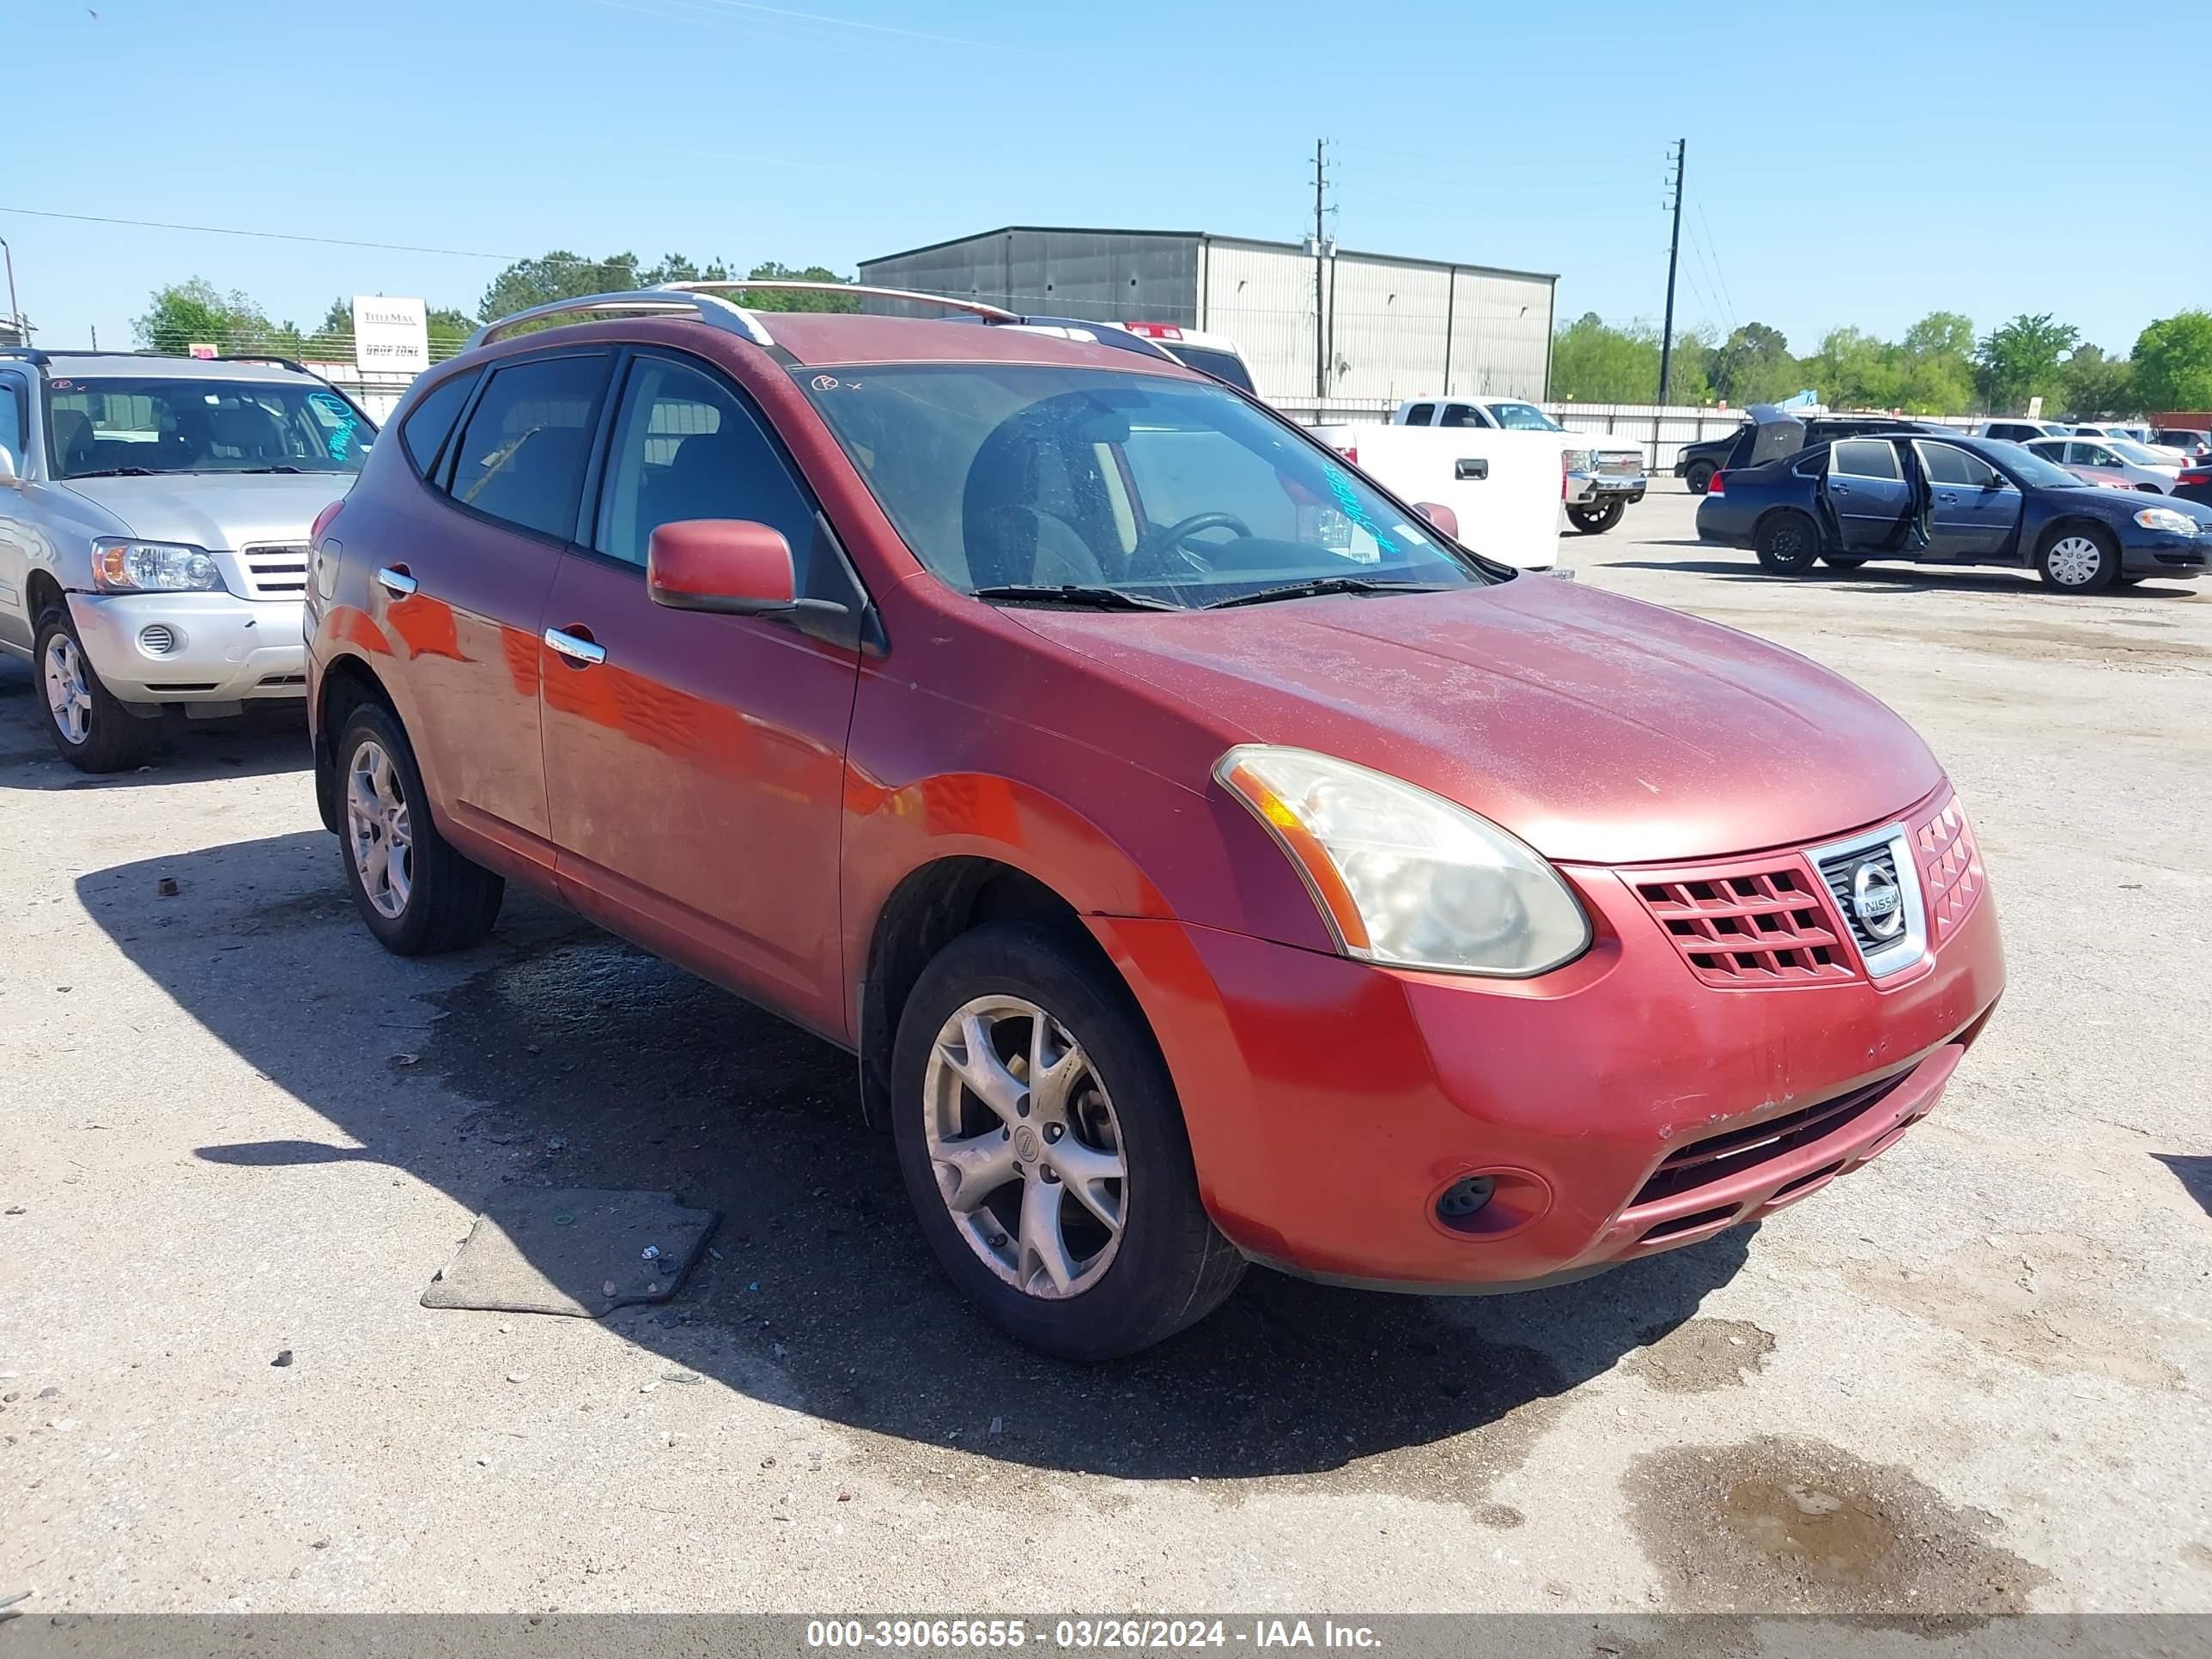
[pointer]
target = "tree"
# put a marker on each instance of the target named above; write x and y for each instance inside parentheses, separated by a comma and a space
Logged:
(2173, 362)
(1754, 365)
(1855, 370)
(559, 275)
(1939, 334)
(2093, 386)
(769, 300)
(2019, 360)
(1594, 362)
(194, 313)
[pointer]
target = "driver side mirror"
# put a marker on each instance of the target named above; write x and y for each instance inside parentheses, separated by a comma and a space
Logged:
(1445, 521)
(732, 566)
(9, 479)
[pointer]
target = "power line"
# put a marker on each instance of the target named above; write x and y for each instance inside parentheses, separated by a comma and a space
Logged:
(1721, 274)
(276, 235)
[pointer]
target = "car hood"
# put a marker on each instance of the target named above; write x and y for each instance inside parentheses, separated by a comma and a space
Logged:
(1597, 728)
(215, 510)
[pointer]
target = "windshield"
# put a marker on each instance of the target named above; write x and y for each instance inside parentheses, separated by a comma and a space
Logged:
(1222, 365)
(2129, 449)
(1524, 418)
(109, 425)
(1033, 476)
(2032, 466)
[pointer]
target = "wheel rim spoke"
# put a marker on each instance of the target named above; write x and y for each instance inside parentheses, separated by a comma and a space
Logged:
(379, 831)
(986, 1075)
(1043, 1245)
(979, 1166)
(1084, 1171)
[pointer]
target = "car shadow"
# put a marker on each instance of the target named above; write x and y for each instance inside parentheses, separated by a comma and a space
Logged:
(568, 1059)
(2195, 1175)
(258, 744)
(1903, 578)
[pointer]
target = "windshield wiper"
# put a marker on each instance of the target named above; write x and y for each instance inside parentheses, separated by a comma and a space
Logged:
(1322, 585)
(1094, 599)
(264, 469)
(114, 472)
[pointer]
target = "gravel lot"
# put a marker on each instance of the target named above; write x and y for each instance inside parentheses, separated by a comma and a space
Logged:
(1973, 1377)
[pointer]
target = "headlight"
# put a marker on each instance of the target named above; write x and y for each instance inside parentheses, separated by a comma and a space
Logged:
(1404, 877)
(127, 567)
(2165, 518)
(1577, 460)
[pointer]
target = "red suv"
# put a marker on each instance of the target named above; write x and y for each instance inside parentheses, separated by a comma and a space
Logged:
(1208, 860)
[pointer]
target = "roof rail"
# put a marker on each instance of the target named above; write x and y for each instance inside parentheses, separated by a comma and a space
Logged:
(28, 353)
(706, 308)
(781, 285)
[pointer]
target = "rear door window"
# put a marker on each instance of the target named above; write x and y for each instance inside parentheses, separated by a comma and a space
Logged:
(521, 457)
(1462, 414)
(1865, 458)
(1421, 415)
(424, 431)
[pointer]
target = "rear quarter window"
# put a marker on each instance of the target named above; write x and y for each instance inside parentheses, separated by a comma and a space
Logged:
(427, 425)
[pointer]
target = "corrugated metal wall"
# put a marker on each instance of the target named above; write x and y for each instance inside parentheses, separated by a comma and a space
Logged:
(1393, 328)
(1111, 275)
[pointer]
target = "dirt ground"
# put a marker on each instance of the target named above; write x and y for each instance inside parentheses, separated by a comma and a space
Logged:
(1970, 1378)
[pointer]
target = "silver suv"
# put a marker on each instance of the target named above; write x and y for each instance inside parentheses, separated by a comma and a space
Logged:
(153, 524)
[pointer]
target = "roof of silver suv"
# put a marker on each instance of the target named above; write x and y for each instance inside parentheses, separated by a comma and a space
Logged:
(69, 364)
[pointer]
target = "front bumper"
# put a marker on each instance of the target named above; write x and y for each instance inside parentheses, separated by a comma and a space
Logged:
(2158, 553)
(221, 649)
(1622, 1106)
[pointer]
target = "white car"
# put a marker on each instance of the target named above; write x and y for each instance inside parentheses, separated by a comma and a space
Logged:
(1600, 484)
(2132, 433)
(2145, 468)
(2021, 429)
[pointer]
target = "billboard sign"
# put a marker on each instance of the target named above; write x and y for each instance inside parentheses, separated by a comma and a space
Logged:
(390, 337)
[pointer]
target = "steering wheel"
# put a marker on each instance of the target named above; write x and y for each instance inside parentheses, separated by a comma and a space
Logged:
(1150, 554)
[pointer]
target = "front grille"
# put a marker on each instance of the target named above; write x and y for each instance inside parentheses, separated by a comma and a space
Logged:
(1717, 1157)
(1620, 463)
(1749, 925)
(1840, 872)
(275, 572)
(1950, 867)
(283, 679)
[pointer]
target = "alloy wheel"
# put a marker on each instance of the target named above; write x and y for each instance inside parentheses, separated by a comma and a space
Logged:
(69, 693)
(1026, 1149)
(378, 832)
(2075, 561)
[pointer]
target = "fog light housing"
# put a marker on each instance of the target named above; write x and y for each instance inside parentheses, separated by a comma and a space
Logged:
(157, 639)
(1479, 1206)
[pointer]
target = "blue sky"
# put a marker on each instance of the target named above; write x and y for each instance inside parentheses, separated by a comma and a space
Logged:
(1971, 157)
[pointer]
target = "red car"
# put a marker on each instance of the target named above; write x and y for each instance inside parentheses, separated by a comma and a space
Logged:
(1208, 861)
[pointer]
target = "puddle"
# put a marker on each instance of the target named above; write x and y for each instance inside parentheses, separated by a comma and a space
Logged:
(1797, 1526)
(2037, 1299)
(1700, 1355)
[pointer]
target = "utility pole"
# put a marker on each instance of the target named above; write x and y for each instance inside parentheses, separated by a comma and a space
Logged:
(1673, 252)
(15, 311)
(1321, 337)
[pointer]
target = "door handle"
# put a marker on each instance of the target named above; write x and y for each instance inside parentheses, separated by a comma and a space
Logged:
(577, 648)
(1840, 488)
(1469, 468)
(394, 579)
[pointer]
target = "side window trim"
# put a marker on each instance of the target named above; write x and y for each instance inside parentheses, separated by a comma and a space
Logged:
(431, 474)
(12, 388)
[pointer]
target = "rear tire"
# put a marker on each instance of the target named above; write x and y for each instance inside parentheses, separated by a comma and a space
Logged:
(2078, 559)
(417, 895)
(1845, 562)
(1596, 521)
(1026, 1247)
(1788, 543)
(91, 729)
(1699, 478)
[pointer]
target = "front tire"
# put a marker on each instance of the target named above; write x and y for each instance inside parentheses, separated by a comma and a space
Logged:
(417, 895)
(1595, 521)
(1699, 478)
(90, 728)
(2078, 559)
(1043, 1148)
(1788, 544)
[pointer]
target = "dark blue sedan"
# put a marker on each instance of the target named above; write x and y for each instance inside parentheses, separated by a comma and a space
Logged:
(1947, 500)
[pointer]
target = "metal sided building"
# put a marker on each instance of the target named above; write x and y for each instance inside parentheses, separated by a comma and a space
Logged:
(1387, 327)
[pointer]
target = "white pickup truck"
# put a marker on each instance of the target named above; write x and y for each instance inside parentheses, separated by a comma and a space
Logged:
(1504, 487)
(1601, 481)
